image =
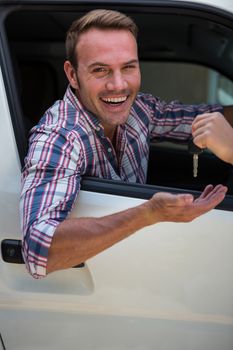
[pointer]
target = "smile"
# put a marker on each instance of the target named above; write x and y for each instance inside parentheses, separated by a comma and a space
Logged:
(114, 100)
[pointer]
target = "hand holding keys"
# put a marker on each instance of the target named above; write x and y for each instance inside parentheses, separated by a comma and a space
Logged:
(195, 151)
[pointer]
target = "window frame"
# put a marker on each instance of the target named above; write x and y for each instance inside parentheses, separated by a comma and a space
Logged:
(96, 184)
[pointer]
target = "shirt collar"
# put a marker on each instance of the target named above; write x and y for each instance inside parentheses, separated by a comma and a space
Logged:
(94, 122)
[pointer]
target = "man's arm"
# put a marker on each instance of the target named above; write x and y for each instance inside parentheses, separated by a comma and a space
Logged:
(173, 120)
(76, 240)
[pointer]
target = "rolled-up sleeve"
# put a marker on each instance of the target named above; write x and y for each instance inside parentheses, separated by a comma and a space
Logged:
(50, 185)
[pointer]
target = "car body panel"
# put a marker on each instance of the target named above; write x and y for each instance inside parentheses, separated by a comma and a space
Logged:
(166, 279)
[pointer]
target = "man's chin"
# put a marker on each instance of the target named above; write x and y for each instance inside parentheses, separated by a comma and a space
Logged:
(116, 120)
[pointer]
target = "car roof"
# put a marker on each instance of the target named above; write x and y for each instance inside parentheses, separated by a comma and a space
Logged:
(226, 5)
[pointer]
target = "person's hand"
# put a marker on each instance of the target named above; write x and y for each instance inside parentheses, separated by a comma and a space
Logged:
(212, 131)
(183, 207)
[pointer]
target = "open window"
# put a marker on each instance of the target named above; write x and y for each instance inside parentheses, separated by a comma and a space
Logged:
(185, 54)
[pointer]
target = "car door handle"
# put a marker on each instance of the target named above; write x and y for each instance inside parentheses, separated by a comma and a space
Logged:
(12, 252)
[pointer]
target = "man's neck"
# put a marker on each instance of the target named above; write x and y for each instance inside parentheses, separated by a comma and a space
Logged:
(109, 132)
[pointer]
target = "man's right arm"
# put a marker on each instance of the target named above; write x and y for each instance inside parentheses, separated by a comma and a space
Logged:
(50, 186)
(76, 240)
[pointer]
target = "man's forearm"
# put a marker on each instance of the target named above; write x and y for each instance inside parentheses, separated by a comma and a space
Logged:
(76, 240)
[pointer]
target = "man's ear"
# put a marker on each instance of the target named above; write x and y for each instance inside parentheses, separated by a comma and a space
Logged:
(71, 74)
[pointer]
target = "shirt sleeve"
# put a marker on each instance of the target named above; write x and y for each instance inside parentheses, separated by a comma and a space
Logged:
(173, 120)
(50, 185)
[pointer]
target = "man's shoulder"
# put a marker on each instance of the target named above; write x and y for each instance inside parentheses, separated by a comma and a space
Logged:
(61, 115)
(141, 109)
(146, 98)
(146, 102)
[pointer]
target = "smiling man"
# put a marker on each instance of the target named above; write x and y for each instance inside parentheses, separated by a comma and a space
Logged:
(101, 128)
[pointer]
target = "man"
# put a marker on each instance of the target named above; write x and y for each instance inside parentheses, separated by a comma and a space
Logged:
(101, 128)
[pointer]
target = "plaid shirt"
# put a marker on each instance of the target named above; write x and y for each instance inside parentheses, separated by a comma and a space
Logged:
(69, 142)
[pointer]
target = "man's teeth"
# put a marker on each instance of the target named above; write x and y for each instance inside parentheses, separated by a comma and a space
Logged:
(115, 99)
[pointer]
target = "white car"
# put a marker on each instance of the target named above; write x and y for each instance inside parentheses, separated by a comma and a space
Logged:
(169, 286)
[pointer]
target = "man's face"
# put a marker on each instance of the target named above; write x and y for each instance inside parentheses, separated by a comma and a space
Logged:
(108, 74)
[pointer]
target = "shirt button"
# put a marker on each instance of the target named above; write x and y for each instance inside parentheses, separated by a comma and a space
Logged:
(109, 150)
(98, 128)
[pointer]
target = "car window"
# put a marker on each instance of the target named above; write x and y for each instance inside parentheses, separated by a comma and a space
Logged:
(224, 90)
(186, 82)
(172, 68)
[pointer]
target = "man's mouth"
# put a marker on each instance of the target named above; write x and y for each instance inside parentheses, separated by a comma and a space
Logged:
(114, 100)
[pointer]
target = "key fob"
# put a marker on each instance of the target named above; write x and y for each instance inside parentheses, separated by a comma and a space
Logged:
(194, 149)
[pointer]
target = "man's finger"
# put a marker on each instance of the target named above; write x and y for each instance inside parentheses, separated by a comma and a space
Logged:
(206, 191)
(212, 199)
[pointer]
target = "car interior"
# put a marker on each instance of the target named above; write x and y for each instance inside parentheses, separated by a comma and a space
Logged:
(182, 36)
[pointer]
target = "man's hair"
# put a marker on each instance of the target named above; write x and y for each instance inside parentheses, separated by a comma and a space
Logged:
(100, 19)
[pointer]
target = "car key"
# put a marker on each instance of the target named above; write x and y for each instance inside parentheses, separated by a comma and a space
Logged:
(195, 151)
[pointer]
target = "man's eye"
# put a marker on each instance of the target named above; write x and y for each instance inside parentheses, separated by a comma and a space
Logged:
(129, 67)
(100, 70)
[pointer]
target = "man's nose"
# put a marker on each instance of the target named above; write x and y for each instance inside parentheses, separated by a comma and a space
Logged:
(116, 82)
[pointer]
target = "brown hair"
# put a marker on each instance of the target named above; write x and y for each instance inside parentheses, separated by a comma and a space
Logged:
(101, 19)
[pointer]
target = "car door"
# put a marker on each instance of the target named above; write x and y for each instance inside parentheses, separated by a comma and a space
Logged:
(168, 286)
